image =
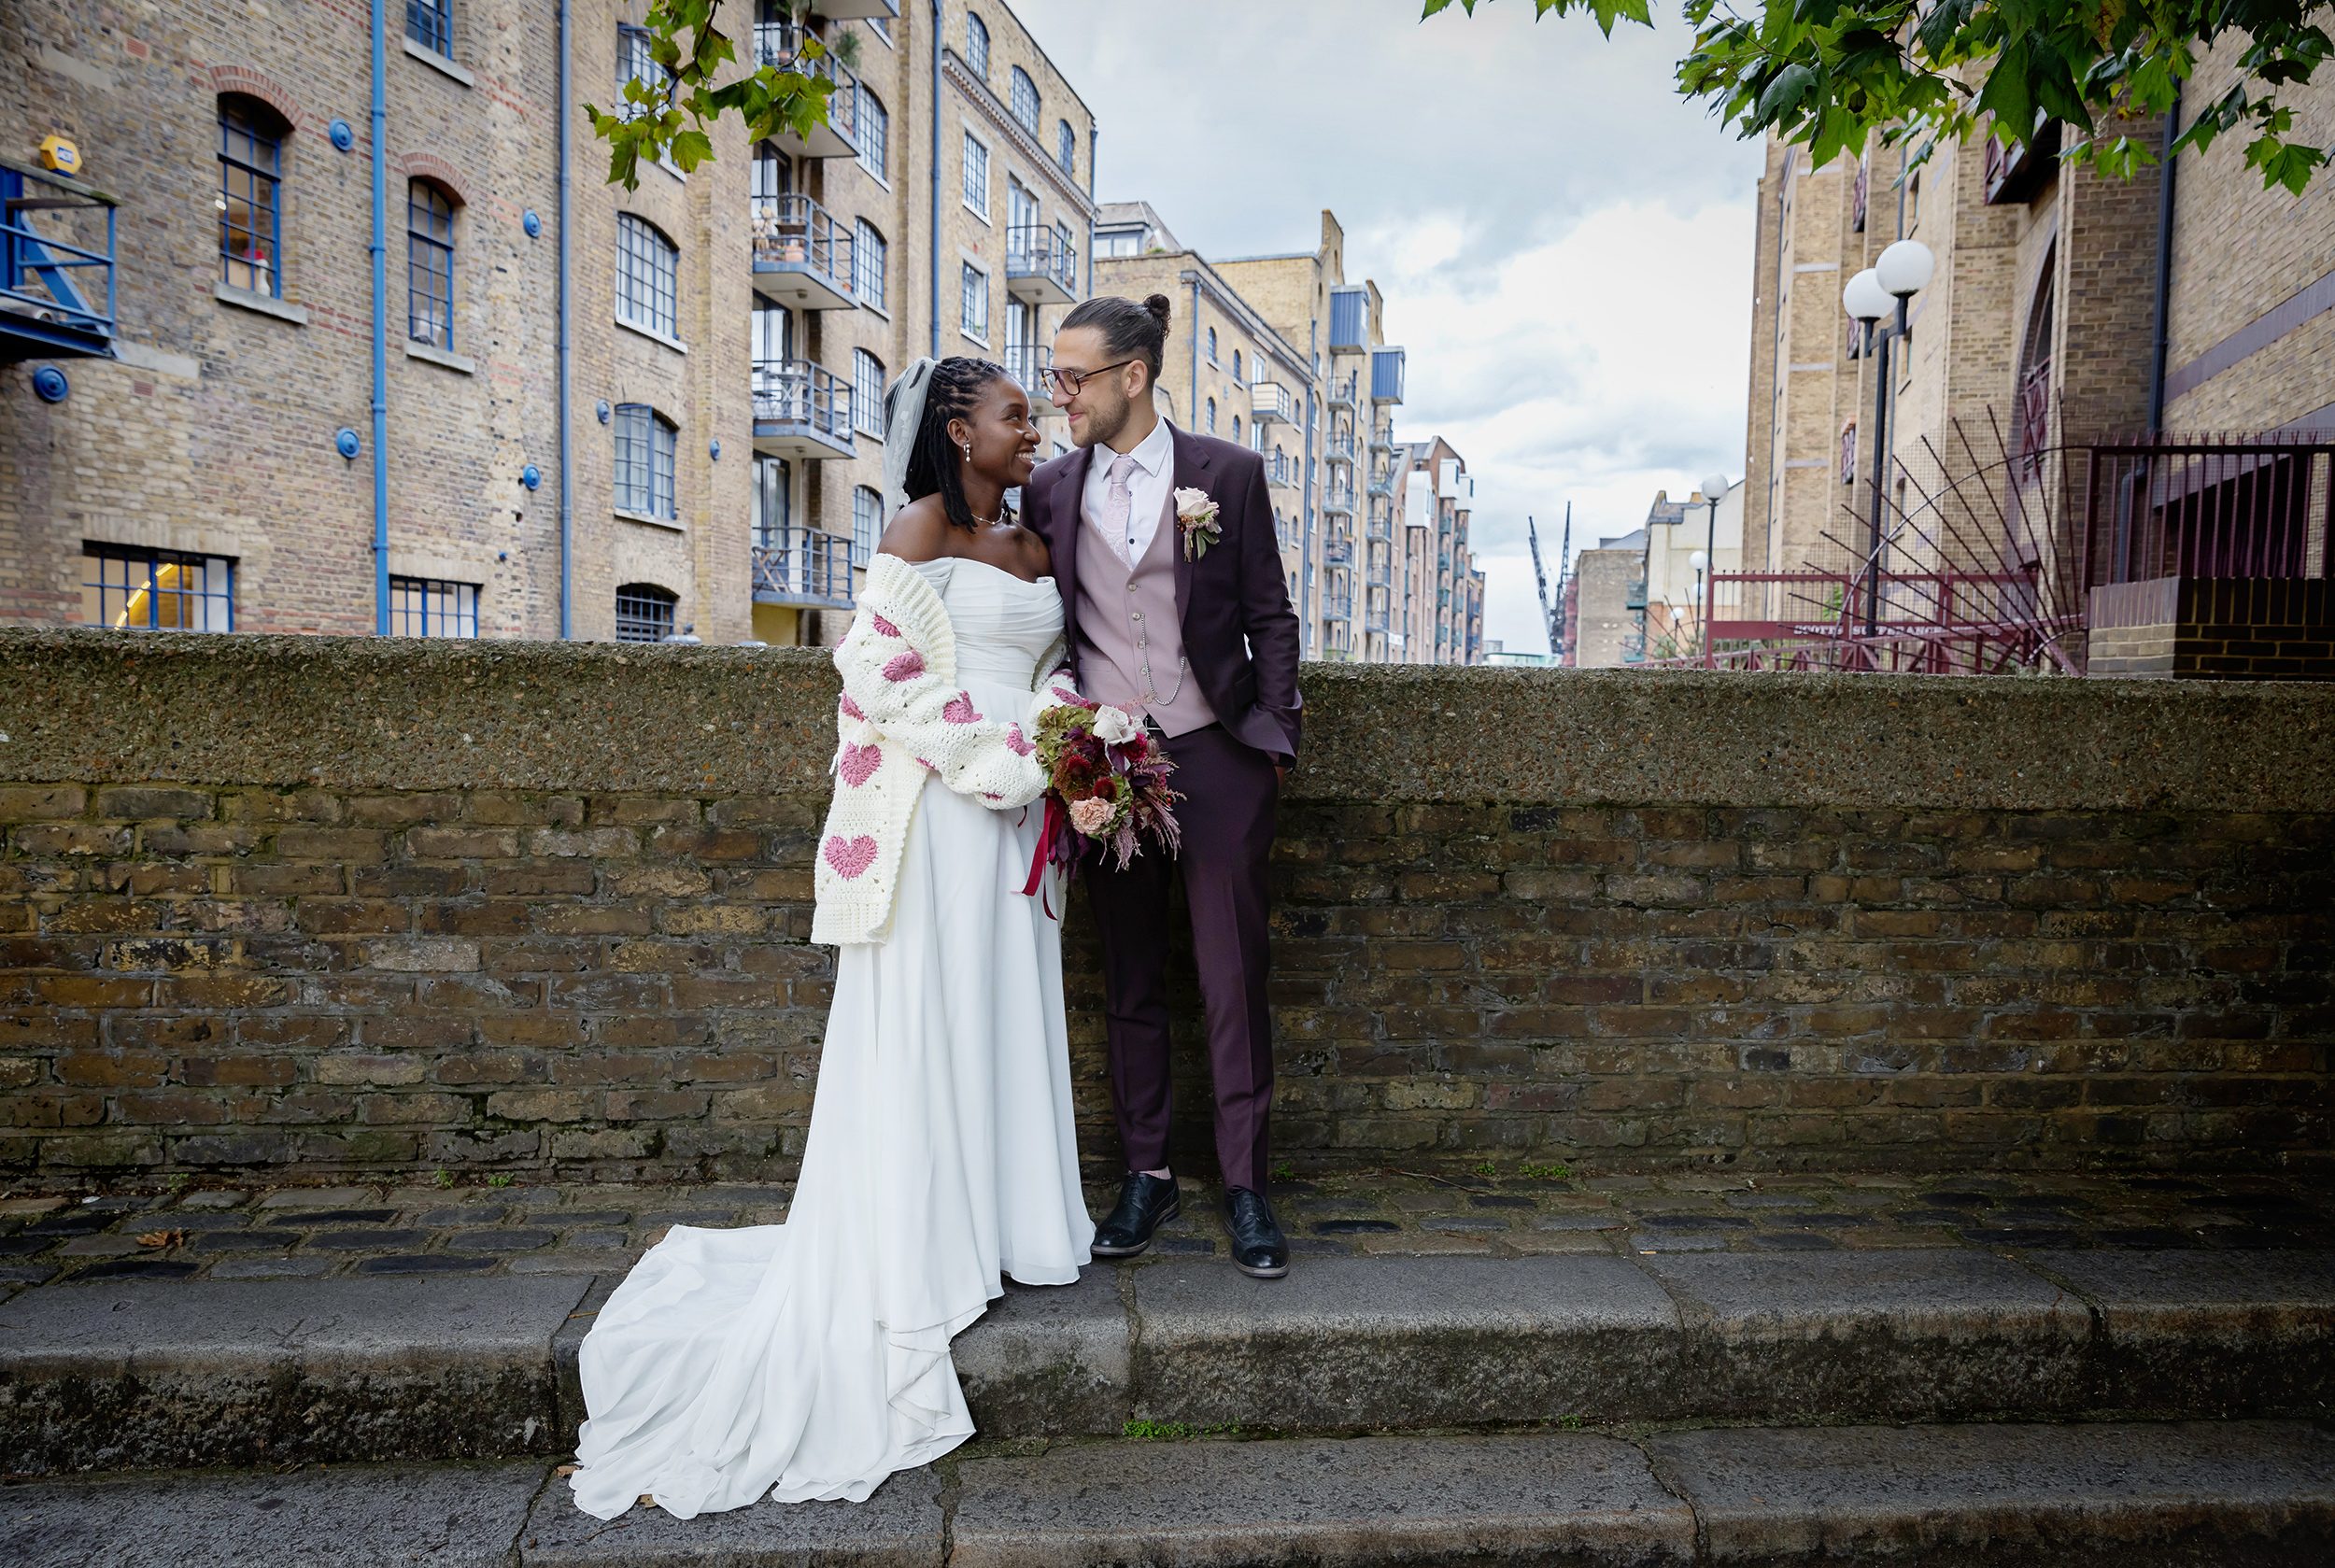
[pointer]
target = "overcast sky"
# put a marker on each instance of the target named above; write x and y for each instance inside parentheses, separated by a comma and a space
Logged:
(1564, 243)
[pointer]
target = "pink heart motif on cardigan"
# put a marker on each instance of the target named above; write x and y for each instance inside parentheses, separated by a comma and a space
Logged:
(960, 710)
(852, 710)
(884, 627)
(851, 857)
(904, 667)
(1016, 743)
(859, 764)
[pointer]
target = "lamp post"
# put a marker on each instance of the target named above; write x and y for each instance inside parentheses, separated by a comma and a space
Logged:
(1698, 562)
(1895, 276)
(1714, 487)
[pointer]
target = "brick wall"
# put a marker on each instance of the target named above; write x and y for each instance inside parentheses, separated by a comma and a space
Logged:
(546, 906)
(2223, 629)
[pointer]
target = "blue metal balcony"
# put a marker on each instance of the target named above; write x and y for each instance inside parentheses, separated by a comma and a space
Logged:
(1339, 553)
(1349, 320)
(800, 410)
(1281, 469)
(56, 265)
(1027, 362)
(1386, 376)
(1041, 264)
(1381, 520)
(1382, 438)
(1382, 478)
(1342, 393)
(1634, 597)
(1338, 500)
(782, 45)
(1337, 606)
(1342, 449)
(802, 254)
(1374, 618)
(803, 567)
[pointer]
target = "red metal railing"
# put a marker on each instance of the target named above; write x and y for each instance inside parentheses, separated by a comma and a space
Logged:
(2257, 507)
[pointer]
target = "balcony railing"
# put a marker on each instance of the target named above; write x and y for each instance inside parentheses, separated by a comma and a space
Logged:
(802, 254)
(1378, 574)
(1382, 438)
(1041, 264)
(1634, 597)
(1374, 618)
(1381, 520)
(56, 265)
(781, 45)
(1342, 449)
(1269, 402)
(802, 566)
(1338, 607)
(1339, 500)
(1382, 479)
(800, 410)
(1026, 364)
(1281, 469)
(1337, 552)
(1342, 393)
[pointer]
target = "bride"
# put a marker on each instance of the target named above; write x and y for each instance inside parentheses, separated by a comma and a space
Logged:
(811, 1359)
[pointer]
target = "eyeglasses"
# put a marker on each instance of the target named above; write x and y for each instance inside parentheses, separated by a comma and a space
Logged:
(1067, 383)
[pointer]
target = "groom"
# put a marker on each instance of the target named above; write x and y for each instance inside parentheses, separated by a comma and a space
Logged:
(1190, 627)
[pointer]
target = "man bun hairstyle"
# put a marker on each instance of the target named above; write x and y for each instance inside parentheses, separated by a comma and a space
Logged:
(1129, 330)
(933, 460)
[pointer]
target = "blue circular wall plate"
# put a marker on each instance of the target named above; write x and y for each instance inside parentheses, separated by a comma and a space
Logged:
(50, 385)
(713, 448)
(344, 441)
(532, 223)
(603, 410)
(343, 137)
(530, 476)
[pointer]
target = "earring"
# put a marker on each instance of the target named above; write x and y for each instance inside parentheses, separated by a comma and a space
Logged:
(967, 447)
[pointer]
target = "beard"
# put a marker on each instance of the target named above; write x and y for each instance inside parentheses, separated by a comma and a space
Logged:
(1101, 426)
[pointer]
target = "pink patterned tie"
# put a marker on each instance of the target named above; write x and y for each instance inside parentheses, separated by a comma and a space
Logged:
(1118, 503)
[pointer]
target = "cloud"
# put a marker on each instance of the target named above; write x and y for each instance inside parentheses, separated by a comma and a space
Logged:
(1565, 245)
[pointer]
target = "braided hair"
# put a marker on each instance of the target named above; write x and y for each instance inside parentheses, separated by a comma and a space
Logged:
(956, 386)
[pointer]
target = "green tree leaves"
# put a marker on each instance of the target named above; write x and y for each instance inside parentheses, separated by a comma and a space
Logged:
(667, 120)
(1829, 74)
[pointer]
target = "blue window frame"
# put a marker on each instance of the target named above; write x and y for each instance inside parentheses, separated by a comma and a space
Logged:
(977, 44)
(1212, 346)
(1023, 100)
(868, 259)
(1065, 147)
(432, 607)
(431, 24)
(773, 502)
(644, 461)
(429, 265)
(973, 308)
(875, 133)
(131, 588)
(867, 521)
(1236, 366)
(976, 182)
(644, 613)
(866, 394)
(647, 267)
(251, 197)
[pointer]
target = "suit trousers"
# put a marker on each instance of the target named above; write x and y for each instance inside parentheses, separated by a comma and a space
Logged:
(1230, 793)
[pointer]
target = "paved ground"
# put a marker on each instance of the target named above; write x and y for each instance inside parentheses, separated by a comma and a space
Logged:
(313, 1231)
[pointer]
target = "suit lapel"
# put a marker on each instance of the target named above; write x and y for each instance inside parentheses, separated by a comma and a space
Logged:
(1066, 521)
(1191, 465)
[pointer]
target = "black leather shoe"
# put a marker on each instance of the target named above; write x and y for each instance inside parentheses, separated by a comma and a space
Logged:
(1145, 1203)
(1258, 1247)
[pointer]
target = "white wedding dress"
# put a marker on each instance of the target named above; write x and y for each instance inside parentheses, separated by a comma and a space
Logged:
(811, 1359)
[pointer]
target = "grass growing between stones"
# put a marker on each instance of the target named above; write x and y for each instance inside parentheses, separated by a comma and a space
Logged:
(1179, 1431)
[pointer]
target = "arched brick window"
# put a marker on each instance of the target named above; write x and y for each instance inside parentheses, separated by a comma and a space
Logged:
(252, 136)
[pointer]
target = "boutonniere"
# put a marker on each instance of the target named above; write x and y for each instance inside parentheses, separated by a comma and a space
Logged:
(1196, 516)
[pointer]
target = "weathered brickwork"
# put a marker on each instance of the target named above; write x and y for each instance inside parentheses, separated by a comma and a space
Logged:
(2242, 630)
(557, 918)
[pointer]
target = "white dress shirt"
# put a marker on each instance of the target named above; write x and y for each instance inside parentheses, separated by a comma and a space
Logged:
(1154, 476)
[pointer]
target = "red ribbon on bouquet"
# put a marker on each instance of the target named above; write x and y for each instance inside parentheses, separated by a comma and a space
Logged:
(1035, 886)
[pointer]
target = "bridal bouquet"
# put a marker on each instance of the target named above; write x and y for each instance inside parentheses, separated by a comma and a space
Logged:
(1106, 785)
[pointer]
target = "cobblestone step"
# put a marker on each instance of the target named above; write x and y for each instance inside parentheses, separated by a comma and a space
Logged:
(118, 1374)
(2232, 1494)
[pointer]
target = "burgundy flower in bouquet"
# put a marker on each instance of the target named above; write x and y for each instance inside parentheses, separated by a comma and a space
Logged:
(1106, 787)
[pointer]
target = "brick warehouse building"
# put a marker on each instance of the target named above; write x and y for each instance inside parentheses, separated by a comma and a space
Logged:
(728, 332)
(2070, 316)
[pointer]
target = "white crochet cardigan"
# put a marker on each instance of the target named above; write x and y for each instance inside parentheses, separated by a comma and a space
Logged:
(903, 715)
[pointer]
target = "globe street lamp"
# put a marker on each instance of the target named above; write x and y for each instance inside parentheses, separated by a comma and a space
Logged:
(1897, 274)
(1714, 487)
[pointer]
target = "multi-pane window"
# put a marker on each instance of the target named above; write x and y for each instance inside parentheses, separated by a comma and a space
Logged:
(636, 60)
(1065, 147)
(977, 44)
(869, 258)
(973, 310)
(875, 133)
(132, 589)
(1210, 426)
(774, 501)
(251, 196)
(429, 265)
(647, 266)
(430, 607)
(431, 24)
(1066, 250)
(1212, 346)
(867, 521)
(644, 461)
(1236, 366)
(644, 613)
(1023, 100)
(976, 174)
(866, 394)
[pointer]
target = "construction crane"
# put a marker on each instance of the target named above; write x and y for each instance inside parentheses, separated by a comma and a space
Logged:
(1553, 607)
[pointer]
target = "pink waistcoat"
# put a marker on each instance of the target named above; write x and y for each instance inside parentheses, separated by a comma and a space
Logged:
(1130, 638)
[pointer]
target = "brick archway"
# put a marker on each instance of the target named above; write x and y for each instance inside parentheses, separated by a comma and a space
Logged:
(257, 84)
(430, 166)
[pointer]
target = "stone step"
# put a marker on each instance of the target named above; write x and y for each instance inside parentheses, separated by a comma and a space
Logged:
(2234, 1495)
(121, 1374)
